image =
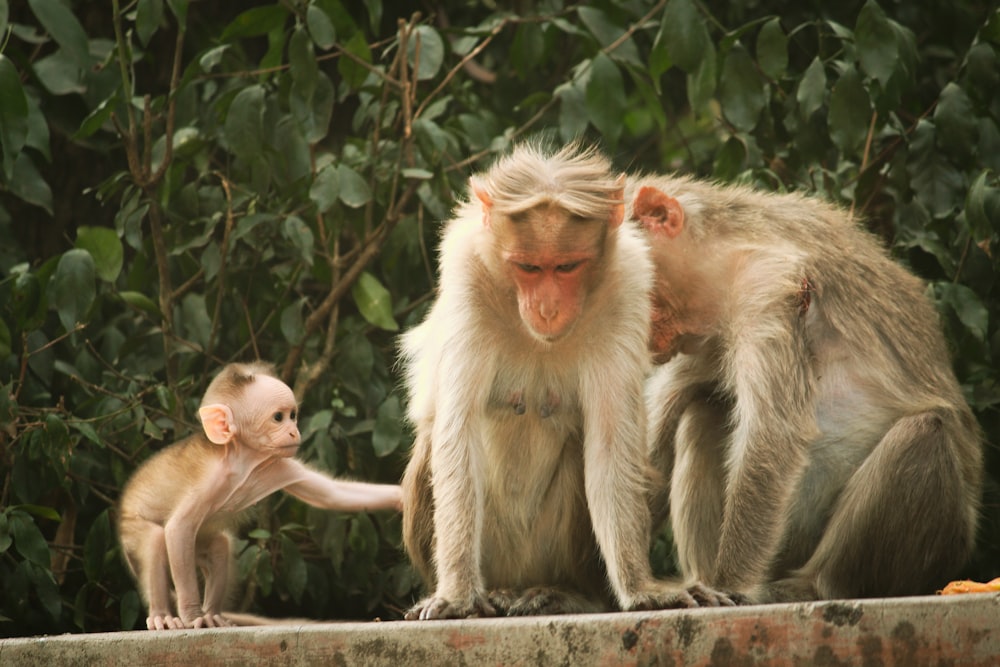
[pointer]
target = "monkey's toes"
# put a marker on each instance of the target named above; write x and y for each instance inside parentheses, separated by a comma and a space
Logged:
(706, 596)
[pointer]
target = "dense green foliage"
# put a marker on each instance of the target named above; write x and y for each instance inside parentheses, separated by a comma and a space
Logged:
(185, 185)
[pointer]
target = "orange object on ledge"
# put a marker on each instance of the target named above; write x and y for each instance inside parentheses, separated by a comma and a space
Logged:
(967, 586)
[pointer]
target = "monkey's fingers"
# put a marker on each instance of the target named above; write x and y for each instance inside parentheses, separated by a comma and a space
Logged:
(432, 608)
(215, 621)
(164, 622)
(966, 586)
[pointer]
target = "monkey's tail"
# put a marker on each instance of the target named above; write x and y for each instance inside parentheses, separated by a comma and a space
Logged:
(242, 619)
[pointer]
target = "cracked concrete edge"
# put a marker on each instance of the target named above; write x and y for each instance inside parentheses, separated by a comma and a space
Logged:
(954, 630)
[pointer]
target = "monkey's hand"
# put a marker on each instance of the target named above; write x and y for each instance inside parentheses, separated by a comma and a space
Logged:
(474, 606)
(212, 621)
(164, 622)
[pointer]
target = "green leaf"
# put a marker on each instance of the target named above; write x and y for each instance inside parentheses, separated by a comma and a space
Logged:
(374, 302)
(45, 588)
(179, 9)
(256, 21)
(72, 288)
(298, 232)
(527, 49)
(685, 34)
(96, 118)
(431, 52)
(292, 326)
(606, 98)
(293, 569)
(105, 247)
(741, 91)
(573, 116)
(354, 191)
(772, 49)
(148, 16)
(701, 83)
(730, 160)
(244, 125)
(142, 302)
(353, 73)
(812, 89)
(325, 189)
(28, 540)
(320, 27)
(6, 538)
(966, 305)
(979, 222)
(194, 321)
(129, 609)
(5, 349)
(29, 185)
(850, 112)
(13, 114)
(58, 20)
(4, 16)
(956, 120)
(302, 62)
(96, 546)
(59, 74)
(876, 42)
(388, 431)
(608, 32)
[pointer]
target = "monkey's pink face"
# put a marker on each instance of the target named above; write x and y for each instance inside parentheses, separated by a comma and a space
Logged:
(550, 291)
(553, 259)
(275, 416)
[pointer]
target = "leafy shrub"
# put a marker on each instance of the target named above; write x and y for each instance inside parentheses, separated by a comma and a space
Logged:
(189, 184)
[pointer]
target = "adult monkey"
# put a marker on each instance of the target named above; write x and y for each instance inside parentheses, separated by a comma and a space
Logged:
(525, 385)
(818, 441)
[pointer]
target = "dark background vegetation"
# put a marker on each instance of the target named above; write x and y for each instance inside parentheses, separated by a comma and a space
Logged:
(186, 183)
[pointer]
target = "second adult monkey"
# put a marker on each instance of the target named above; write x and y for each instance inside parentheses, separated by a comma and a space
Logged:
(817, 441)
(526, 490)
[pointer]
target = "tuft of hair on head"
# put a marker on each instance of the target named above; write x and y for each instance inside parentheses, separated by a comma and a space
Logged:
(233, 378)
(577, 178)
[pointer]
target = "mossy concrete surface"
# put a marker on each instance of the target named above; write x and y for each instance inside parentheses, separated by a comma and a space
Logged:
(954, 630)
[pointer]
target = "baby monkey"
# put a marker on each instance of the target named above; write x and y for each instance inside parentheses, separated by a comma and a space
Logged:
(179, 510)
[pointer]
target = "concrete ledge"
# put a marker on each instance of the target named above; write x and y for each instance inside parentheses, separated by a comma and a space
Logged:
(954, 630)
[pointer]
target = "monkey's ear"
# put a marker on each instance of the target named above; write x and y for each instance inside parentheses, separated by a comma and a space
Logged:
(479, 190)
(618, 209)
(217, 420)
(659, 212)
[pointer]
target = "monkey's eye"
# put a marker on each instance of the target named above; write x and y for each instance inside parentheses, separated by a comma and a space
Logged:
(293, 415)
(569, 267)
(528, 268)
(278, 416)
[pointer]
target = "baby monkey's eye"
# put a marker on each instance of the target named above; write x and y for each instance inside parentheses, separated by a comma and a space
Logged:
(293, 415)
(278, 416)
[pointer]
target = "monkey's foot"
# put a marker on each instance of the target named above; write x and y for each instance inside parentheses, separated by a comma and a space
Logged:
(662, 595)
(543, 601)
(430, 608)
(967, 586)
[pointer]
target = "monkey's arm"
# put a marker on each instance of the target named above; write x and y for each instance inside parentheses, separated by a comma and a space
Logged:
(321, 490)
(180, 534)
(461, 383)
(769, 374)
